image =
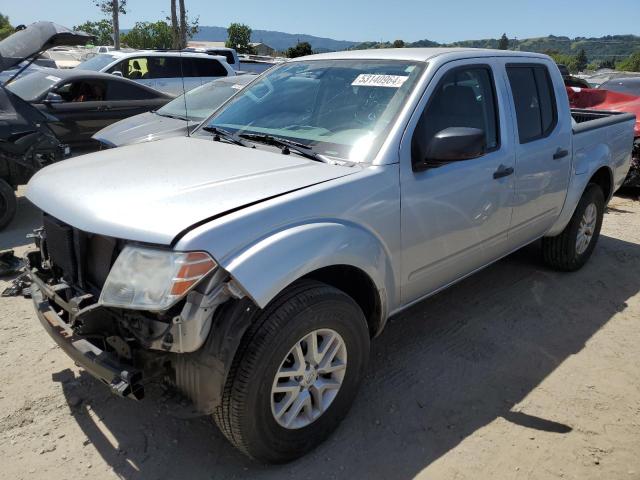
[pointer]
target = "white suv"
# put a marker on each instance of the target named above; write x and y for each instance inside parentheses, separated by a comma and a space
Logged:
(163, 71)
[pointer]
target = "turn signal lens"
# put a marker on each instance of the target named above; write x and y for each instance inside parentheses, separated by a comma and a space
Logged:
(194, 266)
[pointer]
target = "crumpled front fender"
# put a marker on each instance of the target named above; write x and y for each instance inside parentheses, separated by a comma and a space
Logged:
(269, 265)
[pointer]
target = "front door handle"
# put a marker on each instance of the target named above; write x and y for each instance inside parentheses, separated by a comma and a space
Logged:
(560, 153)
(502, 171)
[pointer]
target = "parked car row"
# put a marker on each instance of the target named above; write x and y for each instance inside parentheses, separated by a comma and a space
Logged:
(56, 110)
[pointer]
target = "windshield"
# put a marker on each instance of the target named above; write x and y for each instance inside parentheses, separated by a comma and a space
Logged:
(339, 108)
(628, 86)
(32, 86)
(202, 101)
(97, 63)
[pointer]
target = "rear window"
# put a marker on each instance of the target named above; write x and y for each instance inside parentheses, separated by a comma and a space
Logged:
(123, 90)
(204, 67)
(534, 101)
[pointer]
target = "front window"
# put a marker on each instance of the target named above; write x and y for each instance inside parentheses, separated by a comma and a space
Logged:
(97, 63)
(339, 108)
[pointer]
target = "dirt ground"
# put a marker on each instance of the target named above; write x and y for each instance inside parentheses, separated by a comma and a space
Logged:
(516, 373)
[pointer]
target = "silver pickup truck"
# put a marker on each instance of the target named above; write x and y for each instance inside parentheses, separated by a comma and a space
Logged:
(250, 264)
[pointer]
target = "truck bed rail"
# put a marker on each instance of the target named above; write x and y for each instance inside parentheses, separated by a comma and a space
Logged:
(591, 119)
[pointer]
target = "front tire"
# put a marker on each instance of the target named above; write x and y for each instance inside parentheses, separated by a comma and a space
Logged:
(8, 204)
(295, 374)
(571, 249)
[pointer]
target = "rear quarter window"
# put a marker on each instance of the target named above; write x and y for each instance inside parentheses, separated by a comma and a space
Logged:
(205, 67)
(124, 91)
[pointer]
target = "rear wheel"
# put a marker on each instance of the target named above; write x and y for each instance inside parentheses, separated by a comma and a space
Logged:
(295, 374)
(8, 204)
(571, 249)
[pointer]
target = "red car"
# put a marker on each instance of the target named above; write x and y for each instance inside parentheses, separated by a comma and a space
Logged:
(600, 99)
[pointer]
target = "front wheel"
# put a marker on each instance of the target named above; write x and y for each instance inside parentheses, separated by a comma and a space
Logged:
(571, 249)
(295, 374)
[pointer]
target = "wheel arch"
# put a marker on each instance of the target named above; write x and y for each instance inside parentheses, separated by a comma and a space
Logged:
(346, 256)
(603, 177)
(600, 175)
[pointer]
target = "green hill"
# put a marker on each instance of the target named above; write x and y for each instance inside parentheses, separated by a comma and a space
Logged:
(610, 47)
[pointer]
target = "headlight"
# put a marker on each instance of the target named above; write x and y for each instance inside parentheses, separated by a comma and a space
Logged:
(148, 279)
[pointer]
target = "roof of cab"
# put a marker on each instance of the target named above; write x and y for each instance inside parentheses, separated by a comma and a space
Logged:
(417, 54)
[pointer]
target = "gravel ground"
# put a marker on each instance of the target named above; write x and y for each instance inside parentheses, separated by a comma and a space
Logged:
(517, 372)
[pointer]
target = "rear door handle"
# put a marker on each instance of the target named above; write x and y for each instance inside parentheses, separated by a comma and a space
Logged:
(502, 171)
(560, 153)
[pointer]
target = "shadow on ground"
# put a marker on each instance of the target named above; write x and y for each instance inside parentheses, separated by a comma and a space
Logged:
(439, 372)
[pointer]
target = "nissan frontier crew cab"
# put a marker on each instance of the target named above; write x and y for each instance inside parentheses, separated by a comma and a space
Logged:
(251, 264)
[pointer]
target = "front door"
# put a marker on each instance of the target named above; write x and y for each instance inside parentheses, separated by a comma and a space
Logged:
(455, 217)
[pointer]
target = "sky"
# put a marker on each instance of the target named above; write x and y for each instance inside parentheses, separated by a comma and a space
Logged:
(374, 20)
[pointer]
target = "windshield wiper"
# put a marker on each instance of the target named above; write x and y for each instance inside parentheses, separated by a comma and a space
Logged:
(221, 133)
(287, 146)
(171, 115)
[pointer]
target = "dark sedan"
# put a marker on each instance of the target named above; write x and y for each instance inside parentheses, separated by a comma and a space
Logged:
(84, 102)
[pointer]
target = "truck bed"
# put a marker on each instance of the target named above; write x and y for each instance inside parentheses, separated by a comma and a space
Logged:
(587, 120)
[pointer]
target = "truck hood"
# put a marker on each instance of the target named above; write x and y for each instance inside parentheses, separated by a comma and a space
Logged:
(145, 127)
(153, 192)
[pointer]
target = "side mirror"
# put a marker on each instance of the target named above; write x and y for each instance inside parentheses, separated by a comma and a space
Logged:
(117, 73)
(53, 98)
(453, 144)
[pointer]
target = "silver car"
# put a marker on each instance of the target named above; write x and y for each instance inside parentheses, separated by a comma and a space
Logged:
(253, 263)
(177, 118)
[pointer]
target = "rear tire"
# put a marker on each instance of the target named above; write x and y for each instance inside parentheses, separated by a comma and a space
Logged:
(8, 204)
(571, 249)
(248, 414)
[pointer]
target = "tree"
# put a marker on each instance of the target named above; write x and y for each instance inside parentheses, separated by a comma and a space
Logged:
(581, 60)
(239, 37)
(503, 43)
(183, 25)
(175, 28)
(300, 50)
(398, 44)
(5, 27)
(632, 64)
(181, 29)
(102, 30)
(607, 64)
(149, 35)
(113, 8)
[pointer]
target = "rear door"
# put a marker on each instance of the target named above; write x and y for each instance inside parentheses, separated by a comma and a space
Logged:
(173, 75)
(543, 148)
(455, 217)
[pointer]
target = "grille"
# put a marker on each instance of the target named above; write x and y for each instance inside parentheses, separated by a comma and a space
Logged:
(80, 258)
(60, 248)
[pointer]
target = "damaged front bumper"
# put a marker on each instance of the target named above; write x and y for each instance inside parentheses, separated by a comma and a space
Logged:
(122, 379)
